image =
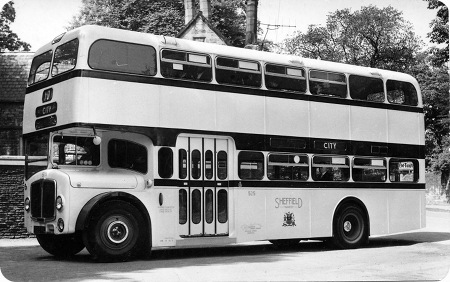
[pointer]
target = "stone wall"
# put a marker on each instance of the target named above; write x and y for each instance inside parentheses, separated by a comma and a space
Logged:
(11, 202)
(12, 197)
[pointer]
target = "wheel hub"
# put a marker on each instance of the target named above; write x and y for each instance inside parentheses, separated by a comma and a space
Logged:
(347, 226)
(117, 231)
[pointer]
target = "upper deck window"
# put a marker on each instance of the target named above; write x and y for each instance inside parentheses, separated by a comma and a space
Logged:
(400, 92)
(183, 65)
(238, 72)
(40, 67)
(65, 57)
(285, 78)
(366, 88)
(122, 57)
(327, 83)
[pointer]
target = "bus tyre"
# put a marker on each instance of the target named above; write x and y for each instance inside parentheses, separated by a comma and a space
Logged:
(114, 232)
(349, 227)
(61, 245)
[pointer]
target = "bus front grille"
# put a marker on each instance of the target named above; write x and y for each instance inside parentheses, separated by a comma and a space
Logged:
(43, 200)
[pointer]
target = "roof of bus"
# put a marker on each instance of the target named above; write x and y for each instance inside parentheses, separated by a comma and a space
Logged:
(93, 32)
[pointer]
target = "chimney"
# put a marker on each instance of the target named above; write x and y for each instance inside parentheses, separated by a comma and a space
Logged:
(189, 10)
(205, 7)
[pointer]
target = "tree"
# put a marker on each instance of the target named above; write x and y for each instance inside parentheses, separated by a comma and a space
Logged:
(435, 90)
(372, 37)
(161, 17)
(8, 39)
(439, 32)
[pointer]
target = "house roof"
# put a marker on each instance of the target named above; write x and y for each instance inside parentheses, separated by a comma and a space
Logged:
(14, 68)
(192, 22)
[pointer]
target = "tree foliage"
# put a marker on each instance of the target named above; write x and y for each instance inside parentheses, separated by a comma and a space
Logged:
(160, 17)
(8, 39)
(439, 32)
(372, 37)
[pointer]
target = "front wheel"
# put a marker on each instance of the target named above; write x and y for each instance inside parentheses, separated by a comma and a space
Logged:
(114, 232)
(349, 227)
(61, 245)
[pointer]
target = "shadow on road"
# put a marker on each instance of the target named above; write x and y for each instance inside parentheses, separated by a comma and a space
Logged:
(407, 239)
(269, 250)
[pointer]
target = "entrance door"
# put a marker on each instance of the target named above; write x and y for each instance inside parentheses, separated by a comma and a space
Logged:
(203, 195)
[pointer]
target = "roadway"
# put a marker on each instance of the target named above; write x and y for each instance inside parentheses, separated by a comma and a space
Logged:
(413, 256)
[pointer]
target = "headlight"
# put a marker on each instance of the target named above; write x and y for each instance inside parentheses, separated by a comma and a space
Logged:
(59, 203)
(27, 204)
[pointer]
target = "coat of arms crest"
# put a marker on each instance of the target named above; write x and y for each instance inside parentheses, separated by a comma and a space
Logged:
(289, 219)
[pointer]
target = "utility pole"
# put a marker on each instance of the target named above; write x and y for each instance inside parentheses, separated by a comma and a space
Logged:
(251, 23)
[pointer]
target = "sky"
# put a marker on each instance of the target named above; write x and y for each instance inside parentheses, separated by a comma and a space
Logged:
(39, 21)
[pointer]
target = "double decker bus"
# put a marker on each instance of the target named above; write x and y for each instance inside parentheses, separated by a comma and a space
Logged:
(154, 142)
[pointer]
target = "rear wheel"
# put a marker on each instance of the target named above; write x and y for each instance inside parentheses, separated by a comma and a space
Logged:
(61, 245)
(115, 232)
(349, 227)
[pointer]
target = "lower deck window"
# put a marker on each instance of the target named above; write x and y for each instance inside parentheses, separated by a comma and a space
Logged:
(369, 170)
(251, 165)
(401, 170)
(288, 167)
(330, 168)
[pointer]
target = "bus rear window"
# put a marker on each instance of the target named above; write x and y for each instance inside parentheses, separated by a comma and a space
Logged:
(238, 72)
(123, 57)
(327, 83)
(40, 67)
(65, 57)
(285, 78)
(366, 88)
(400, 92)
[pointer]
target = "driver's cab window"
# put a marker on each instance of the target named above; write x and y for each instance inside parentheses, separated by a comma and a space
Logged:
(75, 150)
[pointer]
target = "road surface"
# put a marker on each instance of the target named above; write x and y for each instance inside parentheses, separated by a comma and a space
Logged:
(419, 255)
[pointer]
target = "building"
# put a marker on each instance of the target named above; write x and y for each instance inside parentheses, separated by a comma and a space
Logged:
(197, 25)
(14, 68)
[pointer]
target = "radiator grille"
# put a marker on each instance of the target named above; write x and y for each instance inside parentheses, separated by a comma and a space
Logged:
(43, 200)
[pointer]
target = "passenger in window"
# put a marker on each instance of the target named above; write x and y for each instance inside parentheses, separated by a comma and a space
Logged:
(327, 175)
